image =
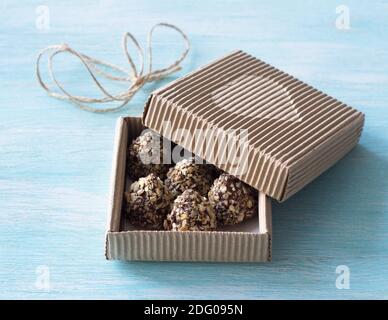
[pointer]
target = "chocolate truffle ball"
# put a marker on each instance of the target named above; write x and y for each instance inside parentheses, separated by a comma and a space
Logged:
(233, 201)
(191, 212)
(145, 156)
(148, 202)
(189, 175)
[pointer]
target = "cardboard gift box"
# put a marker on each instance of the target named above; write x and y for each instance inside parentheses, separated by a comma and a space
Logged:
(283, 133)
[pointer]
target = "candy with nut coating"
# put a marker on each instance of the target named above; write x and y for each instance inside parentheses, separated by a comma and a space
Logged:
(187, 174)
(145, 156)
(191, 212)
(233, 201)
(148, 202)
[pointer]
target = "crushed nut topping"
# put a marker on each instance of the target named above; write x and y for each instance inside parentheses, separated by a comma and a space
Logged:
(201, 203)
(233, 201)
(189, 175)
(145, 156)
(191, 212)
(148, 202)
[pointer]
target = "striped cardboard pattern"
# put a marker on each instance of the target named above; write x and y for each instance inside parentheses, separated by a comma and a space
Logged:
(294, 132)
(188, 246)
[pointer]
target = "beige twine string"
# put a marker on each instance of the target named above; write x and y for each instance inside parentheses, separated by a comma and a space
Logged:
(135, 79)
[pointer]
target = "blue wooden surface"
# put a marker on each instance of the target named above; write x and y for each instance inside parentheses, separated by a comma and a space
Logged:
(55, 160)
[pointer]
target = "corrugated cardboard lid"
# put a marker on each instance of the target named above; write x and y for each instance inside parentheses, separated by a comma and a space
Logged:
(291, 131)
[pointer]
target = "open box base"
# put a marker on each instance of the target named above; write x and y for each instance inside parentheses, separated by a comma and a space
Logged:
(249, 241)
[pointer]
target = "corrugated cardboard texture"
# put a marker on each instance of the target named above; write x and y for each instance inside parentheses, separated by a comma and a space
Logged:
(188, 246)
(295, 132)
(229, 246)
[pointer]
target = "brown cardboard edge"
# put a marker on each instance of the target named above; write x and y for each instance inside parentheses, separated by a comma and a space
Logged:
(358, 121)
(116, 198)
(329, 161)
(117, 179)
(265, 215)
(146, 108)
(195, 246)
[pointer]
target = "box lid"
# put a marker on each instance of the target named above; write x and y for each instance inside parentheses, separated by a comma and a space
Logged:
(256, 122)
